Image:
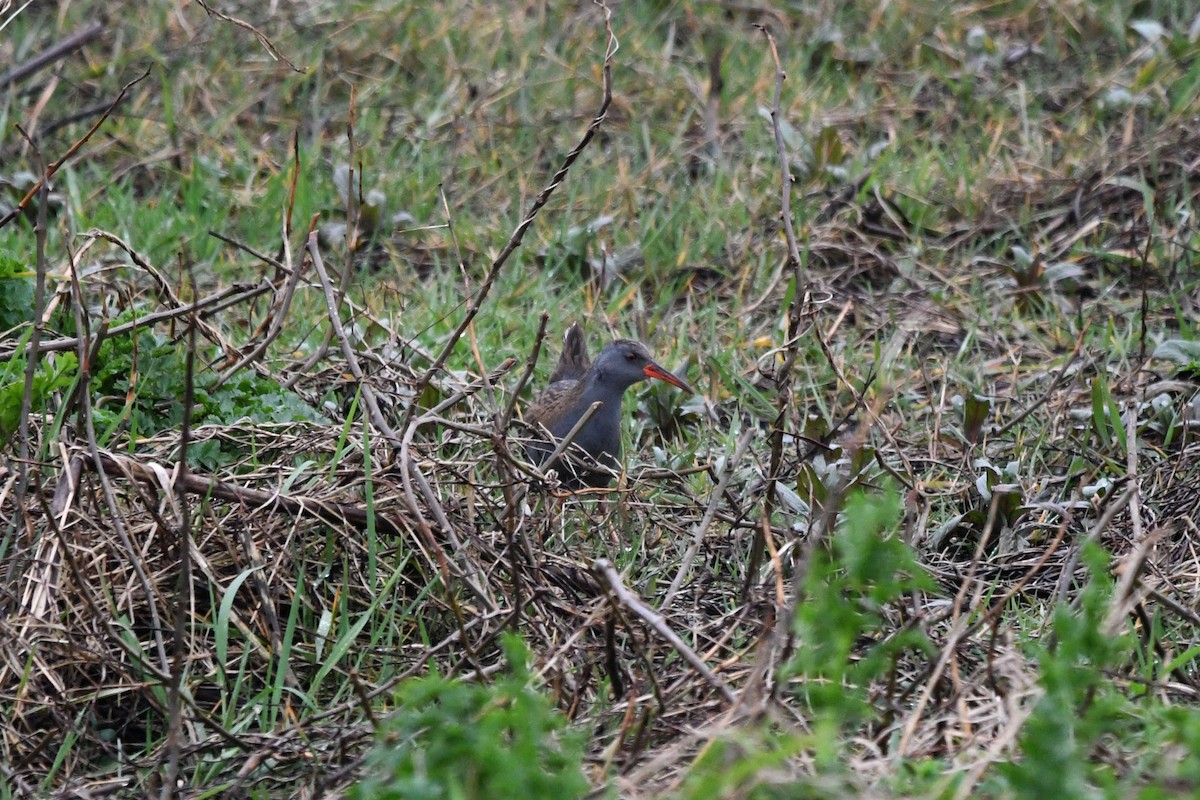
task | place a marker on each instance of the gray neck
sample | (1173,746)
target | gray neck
(609,394)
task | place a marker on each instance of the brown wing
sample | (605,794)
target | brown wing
(573,362)
(551,404)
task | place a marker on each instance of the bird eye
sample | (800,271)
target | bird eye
(631,356)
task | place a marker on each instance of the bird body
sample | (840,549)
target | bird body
(578,383)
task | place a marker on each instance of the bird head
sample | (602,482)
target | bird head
(625,362)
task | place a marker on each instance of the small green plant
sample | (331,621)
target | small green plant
(843,647)
(1087,736)
(1079,705)
(139,382)
(1184,353)
(1106,418)
(742,763)
(16,293)
(848,583)
(843,641)
(452,739)
(53,373)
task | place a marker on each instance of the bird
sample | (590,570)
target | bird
(575,384)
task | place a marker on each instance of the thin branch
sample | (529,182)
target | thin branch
(262,39)
(1054,384)
(260,501)
(31,362)
(97,459)
(785,194)
(166,292)
(217,301)
(331,308)
(514,241)
(710,513)
(503,421)
(183,582)
(801,301)
(261,256)
(604,569)
(54,53)
(566,441)
(53,168)
(278,313)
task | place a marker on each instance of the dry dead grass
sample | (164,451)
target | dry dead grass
(126,573)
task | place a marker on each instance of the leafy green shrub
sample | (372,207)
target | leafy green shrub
(16,293)
(740,764)
(1087,736)
(451,739)
(844,642)
(138,384)
(145,374)
(1080,703)
(52,374)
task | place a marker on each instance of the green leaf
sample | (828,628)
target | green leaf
(1183,352)
(975,412)
(451,739)
(221,632)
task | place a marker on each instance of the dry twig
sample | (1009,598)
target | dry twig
(604,569)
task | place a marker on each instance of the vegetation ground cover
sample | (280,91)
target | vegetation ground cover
(927,529)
